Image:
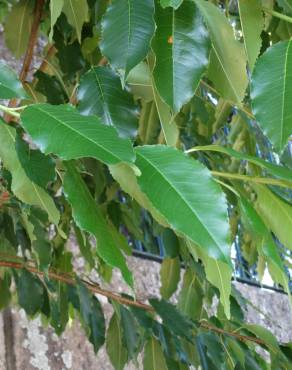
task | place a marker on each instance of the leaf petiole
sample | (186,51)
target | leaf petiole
(12,111)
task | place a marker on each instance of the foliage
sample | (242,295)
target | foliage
(148,121)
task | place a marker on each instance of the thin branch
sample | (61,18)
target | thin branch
(32,40)
(29,51)
(258,180)
(242,338)
(122,300)
(278,15)
(62,278)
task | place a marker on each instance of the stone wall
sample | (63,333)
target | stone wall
(27,345)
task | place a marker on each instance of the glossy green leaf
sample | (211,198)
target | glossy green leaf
(173,3)
(5,294)
(168,125)
(114,344)
(252,24)
(130,332)
(219,274)
(169,276)
(139,80)
(126,177)
(202,215)
(18,25)
(175,321)
(38,167)
(38,236)
(56,7)
(275,170)
(264,334)
(153,356)
(30,292)
(265,243)
(61,130)
(77,14)
(190,300)
(271,93)
(23,188)
(276,213)
(228,71)
(85,305)
(128,27)
(100,93)
(286,5)
(97,322)
(10,86)
(89,217)
(181,46)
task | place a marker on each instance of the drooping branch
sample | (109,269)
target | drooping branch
(95,289)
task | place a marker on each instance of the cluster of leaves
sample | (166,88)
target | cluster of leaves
(149,121)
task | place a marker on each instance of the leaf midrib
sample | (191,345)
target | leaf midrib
(187,204)
(78,133)
(282,140)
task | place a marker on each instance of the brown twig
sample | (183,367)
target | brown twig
(242,338)
(29,51)
(32,40)
(116,297)
(93,288)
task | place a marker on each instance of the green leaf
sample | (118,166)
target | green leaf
(100,93)
(219,274)
(97,335)
(18,26)
(61,130)
(50,87)
(130,331)
(264,334)
(181,46)
(126,177)
(38,167)
(77,14)
(153,356)
(252,25)
(265,243)
(273,169)
(169,276)
(56,7)
(5,295)
(39,238)
(188,186)
(272,82)
(276,214)
(228,71)
(30,292)
(286,5)
(10,86)
(128,27)
(114,344)
(89,217)
(173,3)
(23,188)
(85,305)
(168,126)
(175,321)
(191,296)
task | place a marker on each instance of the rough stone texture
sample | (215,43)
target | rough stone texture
(39,348)
(271,309)
(2,346)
